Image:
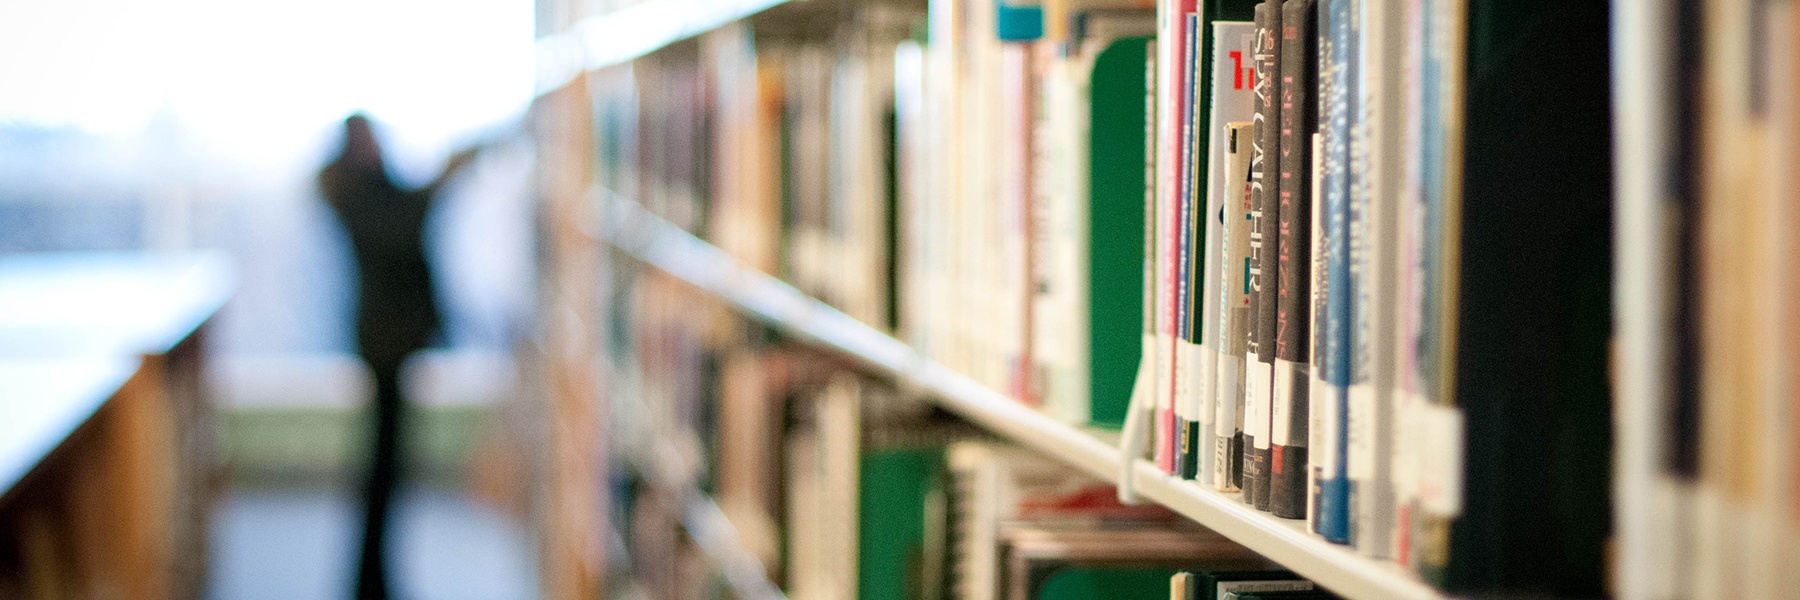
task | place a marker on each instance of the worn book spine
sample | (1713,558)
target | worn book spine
(1234,302)
(1264,247)
(1288,418)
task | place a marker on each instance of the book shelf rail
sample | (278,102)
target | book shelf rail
(666,247)
(622,35)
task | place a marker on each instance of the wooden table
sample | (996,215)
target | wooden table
(106,443)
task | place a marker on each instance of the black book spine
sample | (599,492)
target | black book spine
(1266,188)
(1246,474)
(1299,119)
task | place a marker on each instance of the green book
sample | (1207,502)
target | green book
(1063,582)
(895,488)
(1115,227)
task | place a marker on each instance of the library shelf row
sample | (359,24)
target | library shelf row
(618,36)
(654,241)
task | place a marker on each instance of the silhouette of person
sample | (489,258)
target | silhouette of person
(396,310)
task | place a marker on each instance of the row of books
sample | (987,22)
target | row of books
(1709,127)
(1350,258)
(901,515)
(842,487)
(1364,230)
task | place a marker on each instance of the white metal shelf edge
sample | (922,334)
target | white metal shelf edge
(621,35)
(1285,541)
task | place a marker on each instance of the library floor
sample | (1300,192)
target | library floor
(299,544)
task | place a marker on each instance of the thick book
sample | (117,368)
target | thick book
(1140,421)
(1288,418)
(1263,247)
(1514,490)
(1106,284)
(1234,303)
(1331,308)
(1231,100)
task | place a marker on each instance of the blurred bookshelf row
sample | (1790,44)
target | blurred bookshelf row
(1531,344)
(1061,299)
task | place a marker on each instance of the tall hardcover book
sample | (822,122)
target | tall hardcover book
(1263,247)
(1378,167)
(1288,419)
(1523,238)
(1112,286)
(1190,236)
(1232,100)
(1315,386)
(1140,419)
(1655,109)
(1331,309)
(1234,302)
(1171,73)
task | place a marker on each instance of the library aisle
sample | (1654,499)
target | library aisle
(906,300)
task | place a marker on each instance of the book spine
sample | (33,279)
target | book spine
(1187,396)
(1229,99)
(1381,55)
(1234,302)
(1410,273)
(1247,407)
(1288,419)
(1317,395)
(1150,355)
(1203,299)
(1264,248)
(1171,71)
(1359,385)
(1332,347)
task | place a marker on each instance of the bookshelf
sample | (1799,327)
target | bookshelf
(770,300)
(107,466)
(896,184)
(616,37)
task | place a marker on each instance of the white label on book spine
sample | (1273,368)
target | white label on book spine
(1362,432)
(1256,409)
(1187,380)
(1324,414)
(1282,403)
(1440,459)
(1165,376)
(1147,373)
(1209,388)
(1406,450)
(1231,395)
